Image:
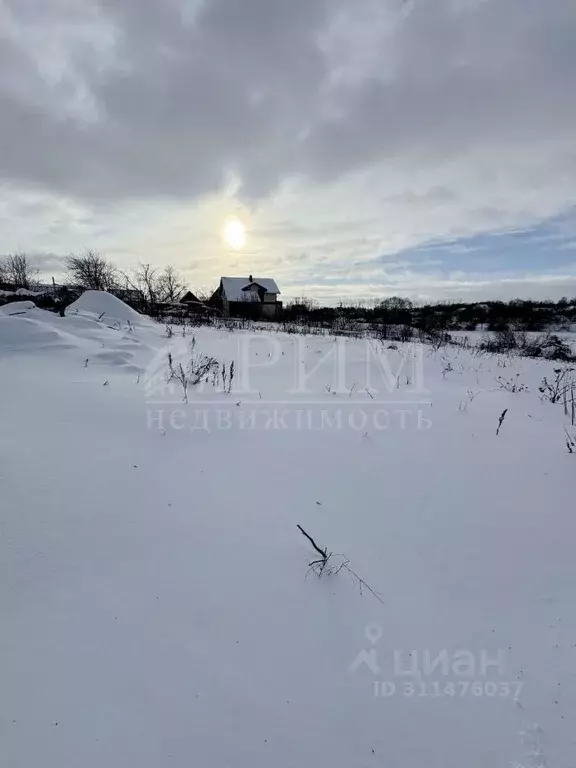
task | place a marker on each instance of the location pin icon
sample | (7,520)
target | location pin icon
(373,633)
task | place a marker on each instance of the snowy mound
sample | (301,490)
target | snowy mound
(22,334)
(25,327)
(107,306)
(109,341)
(17,308)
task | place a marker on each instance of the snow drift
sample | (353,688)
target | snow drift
(17,308)
(105,305)
(111,339)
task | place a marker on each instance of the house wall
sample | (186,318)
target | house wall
(270,310)
(256,302)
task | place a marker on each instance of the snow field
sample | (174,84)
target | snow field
(153,584)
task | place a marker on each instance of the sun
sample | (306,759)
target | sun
(234,234)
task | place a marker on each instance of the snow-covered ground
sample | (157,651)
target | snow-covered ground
(156,608)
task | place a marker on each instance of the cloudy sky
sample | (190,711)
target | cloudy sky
(371,147)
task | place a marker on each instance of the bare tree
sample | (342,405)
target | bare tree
(205,293)
(171,285)
(152,286)
(305,303)
(92,271)
(143,280)
(19,272)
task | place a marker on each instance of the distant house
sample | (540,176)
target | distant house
(192,305)
(248,297)
(189,298)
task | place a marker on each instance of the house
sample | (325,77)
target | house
(254,297)
(189,298)
(192,305)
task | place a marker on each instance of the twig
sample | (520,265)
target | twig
(321,566)
(362,583)
(322,552)
(501,421)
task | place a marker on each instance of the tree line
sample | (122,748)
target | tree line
(146,287)
(524,314)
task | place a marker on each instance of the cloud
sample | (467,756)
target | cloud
(174,106)
(48,262)
(344,129)
(174,102)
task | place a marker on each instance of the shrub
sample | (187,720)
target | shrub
(553,348)
(512,385)
(549,346)
(557,389)
(502,340)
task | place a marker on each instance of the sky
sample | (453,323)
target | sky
(423,148)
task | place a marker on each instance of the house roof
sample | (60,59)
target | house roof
(236,288)
(189,297)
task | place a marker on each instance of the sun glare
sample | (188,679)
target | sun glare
(234,234)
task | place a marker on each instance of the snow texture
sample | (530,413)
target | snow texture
(155,603)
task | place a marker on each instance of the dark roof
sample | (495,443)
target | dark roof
(189,297)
